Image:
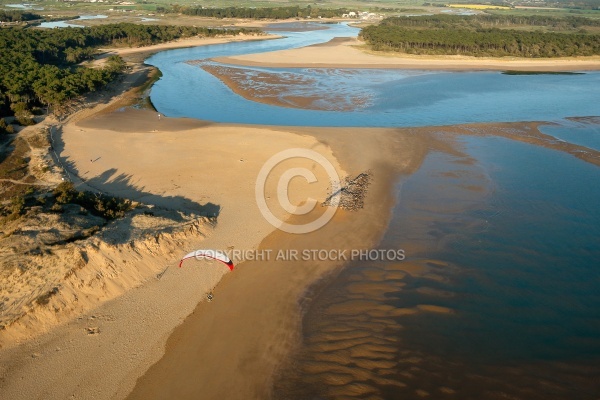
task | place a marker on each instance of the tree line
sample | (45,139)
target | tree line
(443,35)
(17,16)
(39,67)
(491,21)
(259,13)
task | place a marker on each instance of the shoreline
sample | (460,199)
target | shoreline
(351,53)
(139,54)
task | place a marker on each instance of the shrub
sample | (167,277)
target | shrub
(64,192)
(17,204)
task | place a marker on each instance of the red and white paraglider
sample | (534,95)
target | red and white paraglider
(210,254)
(201,255)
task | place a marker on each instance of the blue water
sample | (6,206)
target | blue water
(527,282)
(25,6)
(509,245)
(396,98)
(65,24)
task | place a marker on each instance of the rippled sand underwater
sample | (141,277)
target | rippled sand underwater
(499,296)
(324,89)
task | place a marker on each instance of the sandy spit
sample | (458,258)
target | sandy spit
(146,51)
(352,53)
(231,347)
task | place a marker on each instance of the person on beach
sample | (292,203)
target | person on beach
(159,116)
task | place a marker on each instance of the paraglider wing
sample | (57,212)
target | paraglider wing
(212,254)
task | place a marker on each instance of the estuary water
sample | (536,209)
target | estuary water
(499,296)
(391,97)
(65,24)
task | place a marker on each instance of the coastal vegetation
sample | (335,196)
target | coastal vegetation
(24,189)
(486,35)
(104,206)
(41,67)
(521,22)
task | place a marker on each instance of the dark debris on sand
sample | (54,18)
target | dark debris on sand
(352,193)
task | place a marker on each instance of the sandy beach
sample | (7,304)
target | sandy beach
(209,169)
(252,340)
(138,54)
(352,53)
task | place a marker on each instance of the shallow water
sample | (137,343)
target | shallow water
(25,6)
(499,296)
(65,24)
(392,97)
(582,132)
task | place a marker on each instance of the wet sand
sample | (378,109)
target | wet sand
(255,320)
(284,90)
(365,335)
